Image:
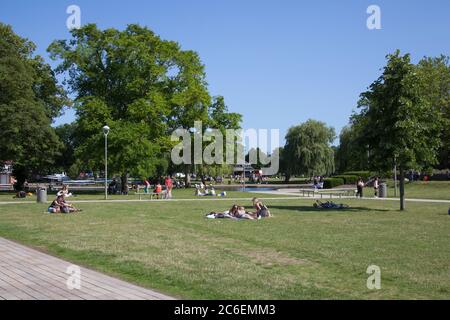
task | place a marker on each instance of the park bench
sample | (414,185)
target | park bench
(308,192)
(331,192)
(152,195)
(6,187)
(337,192)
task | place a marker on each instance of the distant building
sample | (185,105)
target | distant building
(239,169)
(6,173)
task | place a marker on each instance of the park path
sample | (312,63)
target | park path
(28,274)
(290,195)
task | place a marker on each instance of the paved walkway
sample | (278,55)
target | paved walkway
(289,196)
(28,274)
(296,192)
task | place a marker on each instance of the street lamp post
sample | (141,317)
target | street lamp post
(395,176)
(105,132)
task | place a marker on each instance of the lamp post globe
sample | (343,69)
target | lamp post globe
(105,130)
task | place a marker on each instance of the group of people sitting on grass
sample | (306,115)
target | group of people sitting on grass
(60,205)
(239,212)
(201,190)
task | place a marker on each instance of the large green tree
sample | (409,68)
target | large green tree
(435,87)
(29,98)
(308,150)
(401,126)
(351,154)
(141,86)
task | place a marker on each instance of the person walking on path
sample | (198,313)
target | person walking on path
(376,184)
(147,185)
(359,187)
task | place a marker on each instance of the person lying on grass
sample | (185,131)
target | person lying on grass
(329,205)
(236,212)
(239,212)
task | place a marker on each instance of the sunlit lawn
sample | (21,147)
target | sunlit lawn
(426,190)
(177,194)
(301,253)
(414,190)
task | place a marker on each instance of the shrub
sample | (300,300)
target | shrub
(363,174)
(329,183)
(348,179)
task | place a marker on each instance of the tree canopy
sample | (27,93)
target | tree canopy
(29,99)
(142,87)
(308,150)
(400,125)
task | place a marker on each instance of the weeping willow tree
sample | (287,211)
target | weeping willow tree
(308,150)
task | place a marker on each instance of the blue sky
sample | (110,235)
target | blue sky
(278,63)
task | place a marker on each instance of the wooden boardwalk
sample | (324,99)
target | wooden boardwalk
(28,274)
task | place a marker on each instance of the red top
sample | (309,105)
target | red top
(168,182)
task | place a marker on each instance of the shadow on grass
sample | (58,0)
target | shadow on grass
(312,209)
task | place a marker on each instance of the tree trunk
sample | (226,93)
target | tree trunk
(402,189)
(20,174)
(124,183)
(287,177)
(187,177)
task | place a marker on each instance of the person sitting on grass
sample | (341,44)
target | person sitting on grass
(55,206)
(198,192)
(59,205)
(64,192)
(20,195)
(261,209)
(67,207)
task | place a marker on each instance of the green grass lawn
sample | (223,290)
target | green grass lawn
(177,194)
(421,189)
(300,253)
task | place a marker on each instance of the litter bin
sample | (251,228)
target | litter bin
(41,194)
(382,192)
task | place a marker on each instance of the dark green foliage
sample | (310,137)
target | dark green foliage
(435,87)
(363,174)
(143,88)
(29,99)
(348,179)
(329,183)
(308,150)
(401,125)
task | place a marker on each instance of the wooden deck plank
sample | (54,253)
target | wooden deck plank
(26,273)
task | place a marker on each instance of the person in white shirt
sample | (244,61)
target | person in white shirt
(376,185)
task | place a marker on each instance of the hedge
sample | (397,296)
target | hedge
(329,183)
(348,179)
(363,174)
